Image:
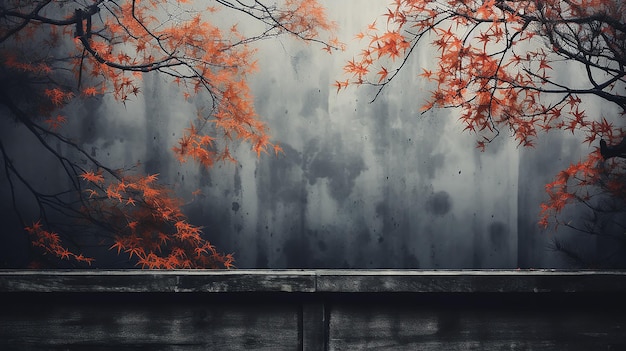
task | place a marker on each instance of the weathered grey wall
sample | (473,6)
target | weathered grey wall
(360,185)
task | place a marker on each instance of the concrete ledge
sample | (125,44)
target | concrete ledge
(312,310)
(312,281)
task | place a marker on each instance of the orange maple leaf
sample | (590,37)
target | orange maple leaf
(543,64)
(372,26)
(93,177)
(119,245)
(383,74)
(56,122)
(90,91)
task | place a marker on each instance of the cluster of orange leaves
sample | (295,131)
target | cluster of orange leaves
(149,224)
(50,243)
(201,57)
(583,181)
(305,18)
(54,97)
(495,69)
(110,53)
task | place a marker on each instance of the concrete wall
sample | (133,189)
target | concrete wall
(360,185)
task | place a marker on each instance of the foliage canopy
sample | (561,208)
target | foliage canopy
(55,52)
(507,65)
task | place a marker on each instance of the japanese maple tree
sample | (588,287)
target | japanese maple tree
(500,63)
(55,53)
